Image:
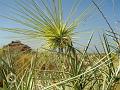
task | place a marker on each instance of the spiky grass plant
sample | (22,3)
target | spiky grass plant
(57,32)
(45,19)
(105,77)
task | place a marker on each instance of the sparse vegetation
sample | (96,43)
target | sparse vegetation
(60,66)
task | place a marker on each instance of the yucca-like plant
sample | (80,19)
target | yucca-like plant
(45,20)
(48,23)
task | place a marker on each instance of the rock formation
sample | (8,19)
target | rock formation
(17,46)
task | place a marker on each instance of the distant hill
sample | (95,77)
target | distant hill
(17,46)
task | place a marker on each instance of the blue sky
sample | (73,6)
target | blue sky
(95,23)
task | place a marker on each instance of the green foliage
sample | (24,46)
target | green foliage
(80,70)
(49,23)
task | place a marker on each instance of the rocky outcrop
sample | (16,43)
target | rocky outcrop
(17,46)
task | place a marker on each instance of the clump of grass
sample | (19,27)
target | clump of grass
(12,80)
(48,24)
(79,70)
